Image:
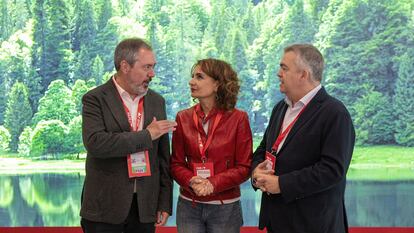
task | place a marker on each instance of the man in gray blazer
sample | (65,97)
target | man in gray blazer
(128,187)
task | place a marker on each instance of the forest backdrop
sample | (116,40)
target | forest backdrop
(53,51)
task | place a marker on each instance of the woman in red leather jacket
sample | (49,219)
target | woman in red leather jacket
(212,151)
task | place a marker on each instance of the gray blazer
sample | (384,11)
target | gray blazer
(108,191)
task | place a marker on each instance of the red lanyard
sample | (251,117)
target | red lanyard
(140,111)
(285,132)
(139,114)
(203,148)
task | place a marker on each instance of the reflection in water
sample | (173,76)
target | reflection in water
(375,203)
(41,200)
(54,200)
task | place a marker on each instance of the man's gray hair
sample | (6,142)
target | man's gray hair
(127,50)
(309,57)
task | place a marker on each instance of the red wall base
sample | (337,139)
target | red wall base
(173,230)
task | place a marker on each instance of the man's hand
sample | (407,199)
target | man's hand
(158,128)
(268,183)
(162,218)
(261,169)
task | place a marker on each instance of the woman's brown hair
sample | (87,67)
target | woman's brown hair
(228,82)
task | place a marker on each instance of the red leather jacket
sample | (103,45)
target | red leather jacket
(230,151)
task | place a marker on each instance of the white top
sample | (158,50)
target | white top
(132,104)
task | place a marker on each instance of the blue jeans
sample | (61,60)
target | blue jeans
(208,218)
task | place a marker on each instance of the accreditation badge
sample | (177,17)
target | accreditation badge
(271,161)
(138,164)
(204,170)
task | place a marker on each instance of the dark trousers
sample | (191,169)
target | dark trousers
(131,224)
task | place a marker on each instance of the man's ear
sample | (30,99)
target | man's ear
(124,67)
(305,75)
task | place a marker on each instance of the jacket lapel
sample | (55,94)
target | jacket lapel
(273,134)
(112,98)
(307,114)
(148,114)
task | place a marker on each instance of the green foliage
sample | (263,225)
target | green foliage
(106,42)
(13,17)
(364,43)
(18,113)
(5,138)
(104,13)
(51,50)
(3,97)
(373,119)
(404,100)
(56,104)
(15,66)
(78,90)
(85,37)
(47,138)
(97,70)
(25,142)
(73,140)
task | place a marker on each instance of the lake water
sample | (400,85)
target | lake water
(54,200)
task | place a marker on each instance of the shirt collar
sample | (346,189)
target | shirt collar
(307,98)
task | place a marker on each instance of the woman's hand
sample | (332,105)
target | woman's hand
(201,186)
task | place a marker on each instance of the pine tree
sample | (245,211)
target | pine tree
(18,113)
(238,59)
(51,49)
(404,100)
(3,96)
(86,36)
(97,70)
(104,14)
(5,21)
(106,38)
(39,38)
(57,42)
(175,34)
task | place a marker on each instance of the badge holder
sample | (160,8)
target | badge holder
(204,169)
(138,164)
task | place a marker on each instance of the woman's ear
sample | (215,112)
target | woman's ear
(216,85)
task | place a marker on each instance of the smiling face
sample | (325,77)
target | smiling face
(202,86)
(136,78)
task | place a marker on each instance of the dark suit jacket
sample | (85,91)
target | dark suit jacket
(311,166)
(108,191)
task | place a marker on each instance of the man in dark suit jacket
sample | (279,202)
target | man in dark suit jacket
(113,199)
(301,163)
